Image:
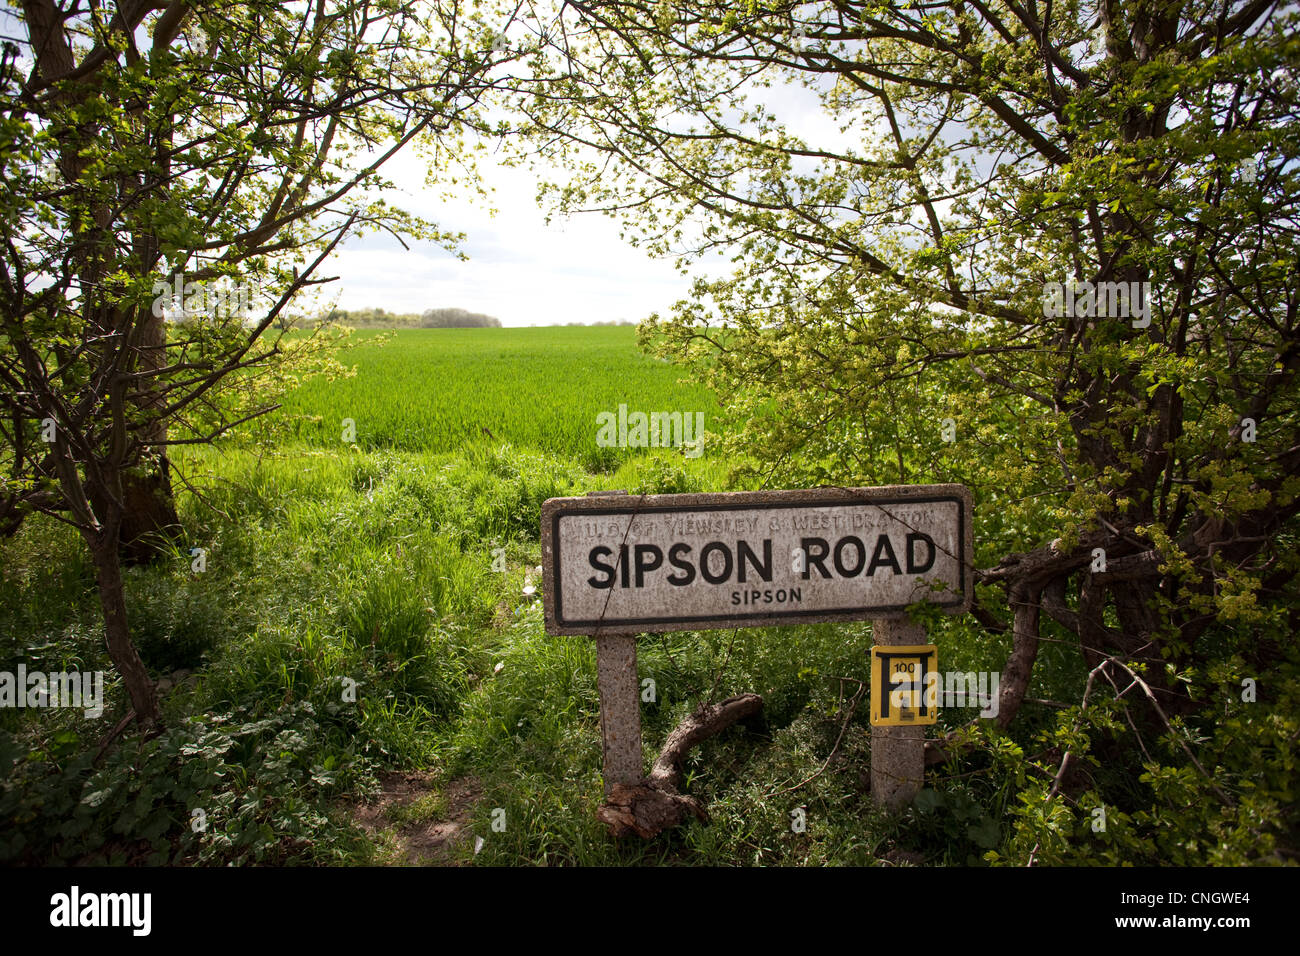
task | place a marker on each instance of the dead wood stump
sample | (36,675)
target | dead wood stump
(654,805)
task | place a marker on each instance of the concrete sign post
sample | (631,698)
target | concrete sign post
(897,750)
(620,708)
(617,565)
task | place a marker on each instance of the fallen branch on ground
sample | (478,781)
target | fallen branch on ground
(654,805)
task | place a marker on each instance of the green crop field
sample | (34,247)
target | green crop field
(542,388)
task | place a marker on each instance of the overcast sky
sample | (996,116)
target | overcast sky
(521,270)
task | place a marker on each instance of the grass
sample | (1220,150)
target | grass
(445,389)
(349,622)
(425,809)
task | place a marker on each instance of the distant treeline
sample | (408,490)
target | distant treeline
(432,319)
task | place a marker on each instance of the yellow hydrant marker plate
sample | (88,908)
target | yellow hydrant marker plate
(901,693)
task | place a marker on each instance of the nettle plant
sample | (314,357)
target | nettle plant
(889,319)
(225,788)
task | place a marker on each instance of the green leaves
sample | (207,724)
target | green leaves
(985,833)
(957,818)
(243,775)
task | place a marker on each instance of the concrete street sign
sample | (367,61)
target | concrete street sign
(616,565)
(647,563)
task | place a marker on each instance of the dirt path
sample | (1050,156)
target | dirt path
(416,822)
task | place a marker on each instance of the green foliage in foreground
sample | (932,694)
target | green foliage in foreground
(332,567)
(375,568)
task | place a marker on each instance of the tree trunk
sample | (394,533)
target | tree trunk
(1025,601)
(108,568)
(149,515)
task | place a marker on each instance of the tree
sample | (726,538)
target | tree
(186,160)
(1063,235)
(457,319)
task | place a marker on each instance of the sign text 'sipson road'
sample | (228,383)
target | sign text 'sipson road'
(648,563)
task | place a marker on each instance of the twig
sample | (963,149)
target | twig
(1182,743)
(199,495)
(1065,758)
(113,734)
(853,705)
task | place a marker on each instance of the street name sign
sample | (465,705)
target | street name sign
(630,564)
(616,565)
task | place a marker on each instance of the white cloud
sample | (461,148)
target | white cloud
(520,270)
